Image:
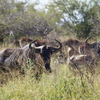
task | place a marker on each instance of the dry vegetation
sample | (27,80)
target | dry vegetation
(61,84)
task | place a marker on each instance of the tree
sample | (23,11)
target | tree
(78,14)
(22,18)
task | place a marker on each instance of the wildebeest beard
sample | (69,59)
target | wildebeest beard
(45,54)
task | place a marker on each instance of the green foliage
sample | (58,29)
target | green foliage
(66,17)
(29,69)
(29,66)
(79,14)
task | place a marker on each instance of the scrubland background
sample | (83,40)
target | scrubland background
(63,19)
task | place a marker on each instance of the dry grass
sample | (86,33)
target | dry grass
(59,85)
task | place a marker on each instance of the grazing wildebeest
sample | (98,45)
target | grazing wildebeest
(73,44)
(89,56)
(70,47)
(93,51)
(70,43)
(20,56)
(80,59)
(78,62)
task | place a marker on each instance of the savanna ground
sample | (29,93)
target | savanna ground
(61,84)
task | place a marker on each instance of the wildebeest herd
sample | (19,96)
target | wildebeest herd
(79,54)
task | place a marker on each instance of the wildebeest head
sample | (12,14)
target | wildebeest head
(45,52)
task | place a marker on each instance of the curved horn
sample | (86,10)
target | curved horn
(32,45)
(57,48)
(88,38)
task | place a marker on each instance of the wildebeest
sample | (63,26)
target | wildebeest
(77,60)
(89,56)
(20,56)
(74,44)
(71,47)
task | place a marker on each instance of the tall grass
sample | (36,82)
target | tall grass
(59,85)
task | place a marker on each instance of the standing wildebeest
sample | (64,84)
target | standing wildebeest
(20,56)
